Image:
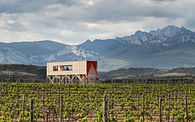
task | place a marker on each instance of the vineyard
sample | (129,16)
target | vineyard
(97,102)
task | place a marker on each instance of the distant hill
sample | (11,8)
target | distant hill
(23,73)
(141,73)
(32,73)
(168,47)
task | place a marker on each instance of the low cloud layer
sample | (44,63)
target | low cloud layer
(74,21)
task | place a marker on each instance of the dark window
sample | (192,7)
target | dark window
(55,68)
(66,68)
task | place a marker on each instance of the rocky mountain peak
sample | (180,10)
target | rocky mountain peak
(170,28)
(168,33)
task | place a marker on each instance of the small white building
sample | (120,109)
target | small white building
(72,72)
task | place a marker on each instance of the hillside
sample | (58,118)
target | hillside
(32,73)
(23,73)
(152,73)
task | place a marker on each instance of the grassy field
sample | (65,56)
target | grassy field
(85,102)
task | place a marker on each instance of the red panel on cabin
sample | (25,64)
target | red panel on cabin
(89,63)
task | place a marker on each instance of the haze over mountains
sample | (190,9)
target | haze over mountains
(168,47)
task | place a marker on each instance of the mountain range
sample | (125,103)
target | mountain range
(168,47)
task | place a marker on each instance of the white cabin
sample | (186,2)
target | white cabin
(72,72)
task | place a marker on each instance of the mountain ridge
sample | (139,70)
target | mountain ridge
(168,47)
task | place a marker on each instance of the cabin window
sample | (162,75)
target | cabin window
(69,67)
(66,68)
(55,68)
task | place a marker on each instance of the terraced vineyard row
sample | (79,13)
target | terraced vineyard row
(84,102)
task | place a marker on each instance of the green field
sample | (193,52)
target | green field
(84,102)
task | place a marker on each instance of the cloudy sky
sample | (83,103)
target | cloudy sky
(74,21)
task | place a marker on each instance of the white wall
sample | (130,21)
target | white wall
(78,67)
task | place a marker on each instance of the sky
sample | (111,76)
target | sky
(75,21)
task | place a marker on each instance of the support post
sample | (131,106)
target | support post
(17,88)
(43,99)
(186,107)
(138,102)
(143,108)
(105,119)
(160,102)
(23,107)
(169,106)
(31,110)
(61,108)
(47,116)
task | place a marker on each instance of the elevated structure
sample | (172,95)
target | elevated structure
(72,72)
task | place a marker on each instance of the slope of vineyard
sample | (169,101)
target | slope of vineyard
(77,102)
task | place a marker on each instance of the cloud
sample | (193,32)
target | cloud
(163,0)
(74,21)
(26,6)
(112,10)
(130,11)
